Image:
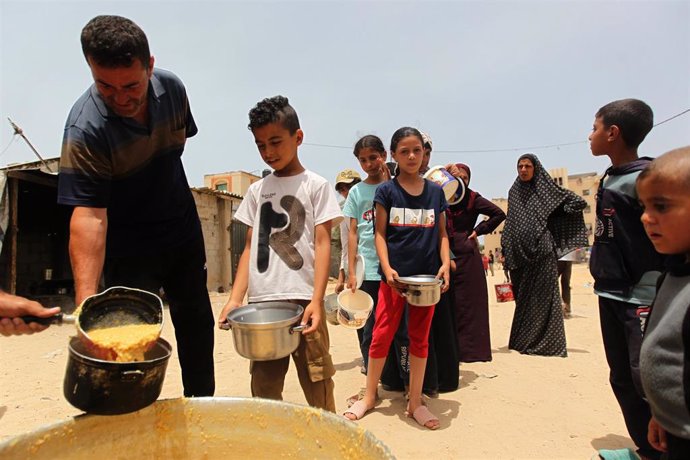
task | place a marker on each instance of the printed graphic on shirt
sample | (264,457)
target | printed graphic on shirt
(405,217)
(605,225)
(283,241)
(368,215)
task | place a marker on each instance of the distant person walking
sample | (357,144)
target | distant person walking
(485,264)
(565,270)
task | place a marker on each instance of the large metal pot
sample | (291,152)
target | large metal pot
(202,428)
(108,387)
(421,290)
(266,331)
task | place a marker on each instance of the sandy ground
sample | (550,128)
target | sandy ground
(513,407)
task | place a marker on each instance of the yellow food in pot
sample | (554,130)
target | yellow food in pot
(129,342)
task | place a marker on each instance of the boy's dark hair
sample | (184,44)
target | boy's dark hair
(633,117)
(275,109)
(114,41)
(371,142)
(403,133)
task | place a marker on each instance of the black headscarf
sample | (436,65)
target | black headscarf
(542,218)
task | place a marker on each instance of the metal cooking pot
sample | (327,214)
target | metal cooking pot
(421,290)
(116,306)
(108,387)
(330,303)
(200,428)
(266,331)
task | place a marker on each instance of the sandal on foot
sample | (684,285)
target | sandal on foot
(354,398)
(358,409)
(423,416)
(617,454)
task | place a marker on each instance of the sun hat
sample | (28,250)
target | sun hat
(347,176)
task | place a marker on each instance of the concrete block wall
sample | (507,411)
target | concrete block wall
(215,213)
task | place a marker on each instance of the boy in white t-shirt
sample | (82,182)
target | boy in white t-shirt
(287,253)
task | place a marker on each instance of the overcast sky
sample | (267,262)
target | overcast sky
(475,75)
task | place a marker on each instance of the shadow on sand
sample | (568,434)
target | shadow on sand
(612,441)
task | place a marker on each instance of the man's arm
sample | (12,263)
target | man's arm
(322,259)
(88,229)
(240,283)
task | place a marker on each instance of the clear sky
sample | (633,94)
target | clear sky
(475,75)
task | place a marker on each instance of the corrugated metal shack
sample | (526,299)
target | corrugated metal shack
(34,234)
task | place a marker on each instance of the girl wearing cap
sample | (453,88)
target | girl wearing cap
(344,181)
(471,298)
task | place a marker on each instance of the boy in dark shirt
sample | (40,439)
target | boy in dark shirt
(624,264)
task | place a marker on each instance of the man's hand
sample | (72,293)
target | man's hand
(12,307)
(313,313)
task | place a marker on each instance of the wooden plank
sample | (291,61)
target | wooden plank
(41,179)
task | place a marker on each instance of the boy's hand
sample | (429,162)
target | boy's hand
(656,435)
(313,313)
(352,282)
(444,274)
(222,318)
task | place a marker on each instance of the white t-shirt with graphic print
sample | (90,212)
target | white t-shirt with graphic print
(283,213)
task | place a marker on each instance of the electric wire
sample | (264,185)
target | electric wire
(513,149)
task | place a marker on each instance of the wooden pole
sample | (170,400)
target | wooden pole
(13,228)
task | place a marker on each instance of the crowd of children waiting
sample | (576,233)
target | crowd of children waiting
(397,221)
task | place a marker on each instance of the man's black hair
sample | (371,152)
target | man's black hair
(114,41)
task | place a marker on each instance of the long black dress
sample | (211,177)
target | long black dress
(471,298)
(544,222)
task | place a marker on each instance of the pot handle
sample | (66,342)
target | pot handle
(59,319)
(131,376)
(406,293)
(299,328)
